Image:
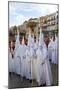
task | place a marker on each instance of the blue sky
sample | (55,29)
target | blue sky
(19,12)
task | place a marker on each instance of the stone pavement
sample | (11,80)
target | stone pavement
(16,81)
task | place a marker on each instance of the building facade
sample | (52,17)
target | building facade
(49,23)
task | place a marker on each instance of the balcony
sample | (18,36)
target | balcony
(51,18)
(43,25)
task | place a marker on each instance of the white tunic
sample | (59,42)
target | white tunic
(42,70)
(35,47)
(23,58)
(38,67)
(17,57)
(17,62)
(32,59)
(28,64)
(29,57)
(47,68)
(55,52)
(10,62)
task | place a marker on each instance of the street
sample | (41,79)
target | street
(16,81)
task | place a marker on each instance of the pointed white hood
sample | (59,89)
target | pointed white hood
(17,38)
(29,39)
(41,38)
(17,43)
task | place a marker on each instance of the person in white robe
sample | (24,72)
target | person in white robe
(17,57)
(23,58)
(29,57)
(42,67)
(28,63)
(39,61)
(34,58)
(20,59)
(32,61)
(46,68)
(28,60)
(32,52)
(57,46)
(55,51)
(11,59)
